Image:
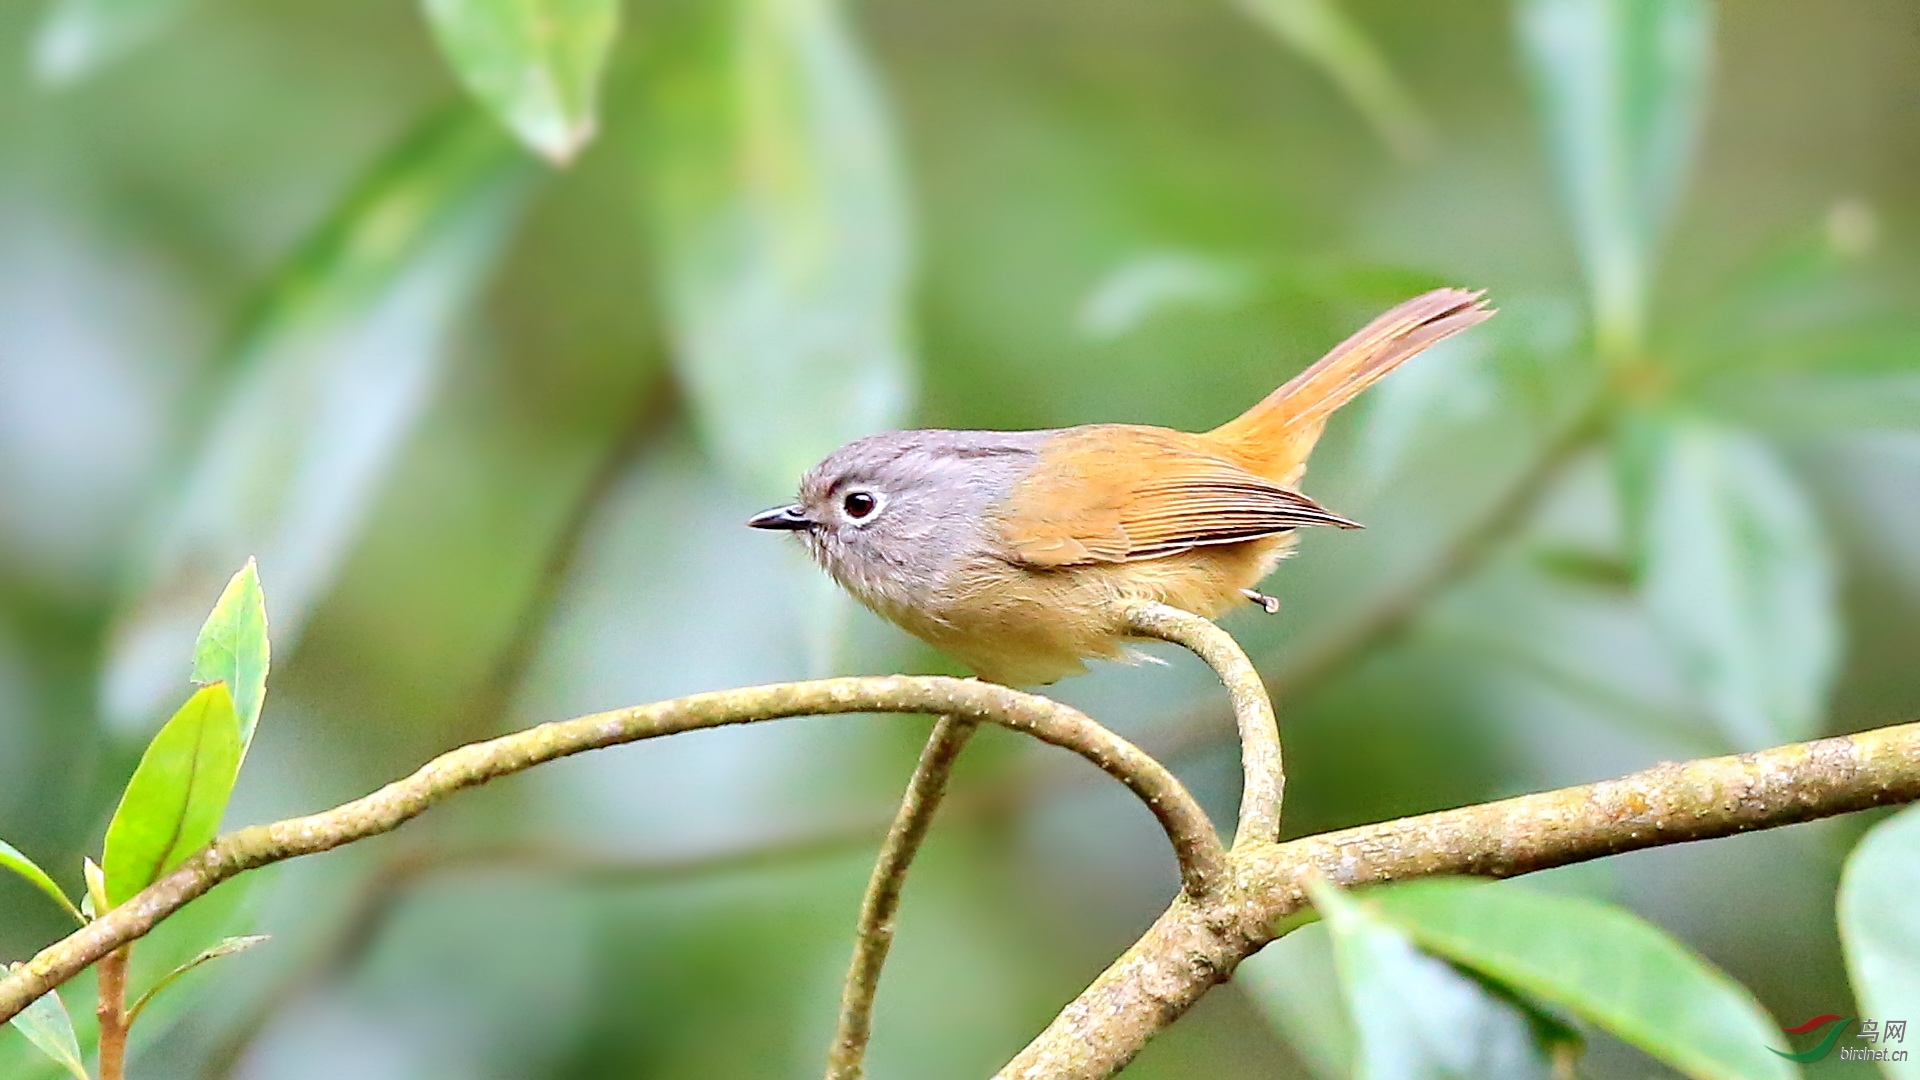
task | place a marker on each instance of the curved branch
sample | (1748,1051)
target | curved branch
(1260,801)
(1197,943)
(874,936)
(1266,780)
(1202,861)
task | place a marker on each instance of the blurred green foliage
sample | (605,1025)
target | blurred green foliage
(272,283)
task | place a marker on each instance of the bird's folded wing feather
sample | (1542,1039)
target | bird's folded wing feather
(1157,500)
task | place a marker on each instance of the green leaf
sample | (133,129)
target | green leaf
(1584,566)
(1452,383)
(1621,86)
(536,64)
(1806,403)
(1601,963)
(781,214)
(226,947)
(1149,284)
(1295,984)
(79,37)
(1864,376)
(1738,577)
(232,648)
(173,804)
(12,859)
(95,903)
(229,910)
(47,1026)
(334,371)
(1418,1018)
(1322,32)
(1880,926)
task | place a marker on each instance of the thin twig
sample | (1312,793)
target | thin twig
(1201,858)
(111,1013)
(486,712)
(1394,612)
(1197,944)
(380,894)
(381,891)
(1265,781)
(874,936)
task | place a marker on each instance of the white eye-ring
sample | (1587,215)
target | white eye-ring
(860,505)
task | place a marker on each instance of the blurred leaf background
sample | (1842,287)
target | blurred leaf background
(304,281)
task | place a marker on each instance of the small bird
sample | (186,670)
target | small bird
(1013,550)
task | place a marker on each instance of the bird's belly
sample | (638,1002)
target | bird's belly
(1027,627)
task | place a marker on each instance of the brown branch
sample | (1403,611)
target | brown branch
(1197,943)
(1265,780)
(1201,858)
(381,890)
(111,1013)
(1259,820)
(874,936)
(1242,898)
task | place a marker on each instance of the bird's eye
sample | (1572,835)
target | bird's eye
(859,504)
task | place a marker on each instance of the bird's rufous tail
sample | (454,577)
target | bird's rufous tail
(1275,436)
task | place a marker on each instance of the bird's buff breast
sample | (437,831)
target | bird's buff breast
(1029,627)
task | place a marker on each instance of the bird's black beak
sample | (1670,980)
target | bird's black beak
(784,518)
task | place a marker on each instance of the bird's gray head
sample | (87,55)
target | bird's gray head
(889,515)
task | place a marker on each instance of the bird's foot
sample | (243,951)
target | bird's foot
(1269,604)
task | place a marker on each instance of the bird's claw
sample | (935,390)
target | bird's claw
(1269,604)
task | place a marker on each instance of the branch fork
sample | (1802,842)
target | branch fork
(1261,793)
(1232,900)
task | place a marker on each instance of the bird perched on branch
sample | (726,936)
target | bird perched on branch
(1014,550)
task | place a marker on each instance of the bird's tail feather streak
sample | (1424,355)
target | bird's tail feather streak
(1275,436)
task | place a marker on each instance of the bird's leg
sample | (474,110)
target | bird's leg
(1269,604)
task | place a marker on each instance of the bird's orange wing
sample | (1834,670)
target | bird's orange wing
(1114,493)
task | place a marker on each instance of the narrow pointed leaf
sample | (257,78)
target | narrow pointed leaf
(1880,927)
(13,859)
(1621,87)
(173,804)
(1601,963)
(1416,1017)
(1323,33)
(535,64)
(339,363)
(1739,579)
(230,909)
(232,648)
(780,213)
(49,1028)
(96,878)
(76,38)
(226,947)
